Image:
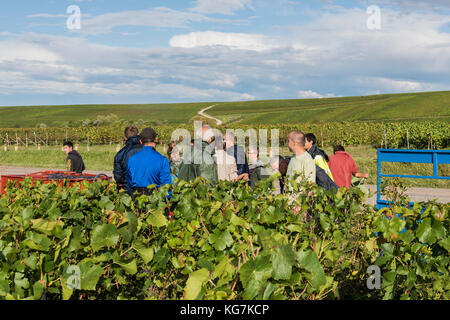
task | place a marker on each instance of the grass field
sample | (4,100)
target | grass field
(58,116)
(410,107)
(414,106)
(101,158)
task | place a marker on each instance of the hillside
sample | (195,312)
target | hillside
(414,106)
(387,107)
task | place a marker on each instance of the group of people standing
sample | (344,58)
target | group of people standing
(139,165)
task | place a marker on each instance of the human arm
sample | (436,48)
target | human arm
(165,175)
(119,172)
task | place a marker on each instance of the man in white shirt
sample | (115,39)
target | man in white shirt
(302,163)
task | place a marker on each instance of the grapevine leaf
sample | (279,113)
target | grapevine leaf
(144,252)
(282,262)
(308,260)
(129,266)
(157,219)
(220,239)
(105,235)
(194,284)
(90,274)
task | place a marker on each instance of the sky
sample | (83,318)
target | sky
(55,52)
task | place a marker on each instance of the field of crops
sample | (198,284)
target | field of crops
(401,107)
(223,242)
(416,135)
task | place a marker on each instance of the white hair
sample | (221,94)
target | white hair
(205,135)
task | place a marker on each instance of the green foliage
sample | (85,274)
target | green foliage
(422,134)
(226,242)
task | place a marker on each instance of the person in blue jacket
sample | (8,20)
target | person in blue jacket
(147,167)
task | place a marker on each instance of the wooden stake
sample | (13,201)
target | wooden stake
(407,137)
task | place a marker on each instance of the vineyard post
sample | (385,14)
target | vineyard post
(385,139)
(407,137)
(66,135)
(46,139)
(321,135)
(26,139)
(35,138)
(7,140)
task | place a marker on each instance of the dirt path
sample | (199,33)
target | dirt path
(416,194)
(203,114)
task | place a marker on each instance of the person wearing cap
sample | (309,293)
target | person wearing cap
(147,167)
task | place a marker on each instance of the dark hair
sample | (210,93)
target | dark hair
(170,149)
(311,137)
(68,143)
(148,135)
(338,148)
(283,166)
(131,131)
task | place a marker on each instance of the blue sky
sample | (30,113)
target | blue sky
(139,51)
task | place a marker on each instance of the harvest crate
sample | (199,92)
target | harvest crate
(61,177)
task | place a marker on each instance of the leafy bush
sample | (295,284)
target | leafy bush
(225,242)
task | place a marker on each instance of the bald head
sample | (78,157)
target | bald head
(297,137)
(297,142)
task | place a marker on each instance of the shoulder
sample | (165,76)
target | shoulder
(161,157)
(133,157)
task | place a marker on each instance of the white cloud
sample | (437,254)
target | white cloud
(393,85)
(221,6)
(309,94)
(242,41)
(160,17)
(16,50)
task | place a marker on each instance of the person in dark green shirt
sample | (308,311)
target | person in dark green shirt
(258,170)
(200,161)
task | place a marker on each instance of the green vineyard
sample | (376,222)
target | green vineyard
(418,135)
(223,242)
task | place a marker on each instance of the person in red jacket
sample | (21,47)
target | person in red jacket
(343,167)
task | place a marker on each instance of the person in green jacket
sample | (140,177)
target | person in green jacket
(258,170)
(199,160)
